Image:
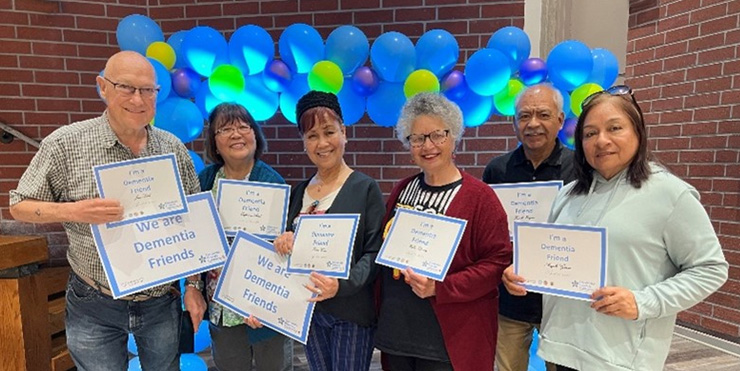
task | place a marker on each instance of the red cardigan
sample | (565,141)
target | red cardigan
(466,302)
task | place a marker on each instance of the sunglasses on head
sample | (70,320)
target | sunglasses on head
(617,91)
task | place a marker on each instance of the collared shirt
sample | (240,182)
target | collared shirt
(514,167)
(61,171)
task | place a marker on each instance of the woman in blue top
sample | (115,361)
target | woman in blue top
(234,143)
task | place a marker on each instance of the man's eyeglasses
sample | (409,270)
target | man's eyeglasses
(128,90)
(437,137)
(229,130)
(617,91)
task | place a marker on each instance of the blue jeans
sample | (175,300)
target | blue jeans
(98,327)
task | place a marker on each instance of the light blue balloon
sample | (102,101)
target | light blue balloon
(605,67)
(566,101)
(535,363)
(135,32)
(353,104)
(384,106)
(476,108)
(569,64)
(192,362)
(164,80)
(206,101)
(250,49)
(175,41)
(487,72)
(300,47)
(134,364)
(180,117)
(514,43)
(261,102)
(198,164)
(288,99)
(393,56)
(348,47)
(131,345)
(202,337)
(204,49)
(437,51)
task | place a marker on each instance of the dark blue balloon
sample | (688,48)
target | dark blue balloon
(453,85)
(513,42)
(175,41)
(605,69)
(135,32)
(532,71)
(250,49)
(393,56)
(569,64)
(365,81)
(185,82)
(384,107)
(204,49)
(437,51)
(353,104)
(180,117)
(347,46)
(300,47)
(277,76)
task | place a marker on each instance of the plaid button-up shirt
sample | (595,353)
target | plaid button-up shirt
(61,171)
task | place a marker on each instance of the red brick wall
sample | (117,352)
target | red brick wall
(682,61)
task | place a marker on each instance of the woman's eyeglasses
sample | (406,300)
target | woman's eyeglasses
(229,130)
(617,91)
(437,137)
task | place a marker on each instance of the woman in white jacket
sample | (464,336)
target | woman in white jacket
(663,256)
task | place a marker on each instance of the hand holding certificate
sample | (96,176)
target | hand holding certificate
(323,243)
(560,260)
(425,242)
(147,188)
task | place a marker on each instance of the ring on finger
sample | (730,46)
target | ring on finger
(319,292)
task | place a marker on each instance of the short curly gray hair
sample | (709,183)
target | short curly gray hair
(430,104)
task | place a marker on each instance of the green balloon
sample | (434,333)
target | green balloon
(505,100)
(226,82)
(326,76)
(580,94)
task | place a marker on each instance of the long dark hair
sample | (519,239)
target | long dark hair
(638,170)
(226,114)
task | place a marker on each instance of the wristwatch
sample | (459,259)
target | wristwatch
(198,285)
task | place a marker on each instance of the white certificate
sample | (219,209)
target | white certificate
(255,281)
(528,202)
(562,260)
(423,241)
(154,252)
(254,207)
(148,188)
(323,243)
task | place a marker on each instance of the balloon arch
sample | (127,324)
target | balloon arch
(197,69)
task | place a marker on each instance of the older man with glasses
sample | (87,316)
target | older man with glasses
(58,186)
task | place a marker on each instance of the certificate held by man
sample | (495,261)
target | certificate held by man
(528,202)
(147,188)
(323,243)
(422,241)
(562,260)
(254,207)
(154,252)
(255,281)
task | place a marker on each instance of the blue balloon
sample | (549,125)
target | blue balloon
(204,49)
(348,47)
(514,43)
(487,72)
(393,56)
(300,47)
(185,82)
(250,49)
(180,117)
(277,75)
(566,101)
(567,132)
(352,103)
(198,164)
(175,41)
(532,71)
(202,337)
(437,51)
(164,80)
(131,345)
(535,363)
(384,107)
(206,101)
(135,32)
(192,362)
(365,81)
(261,102)
(605,69)
(134,364)
(569,64)
(476,108)
(288,99)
